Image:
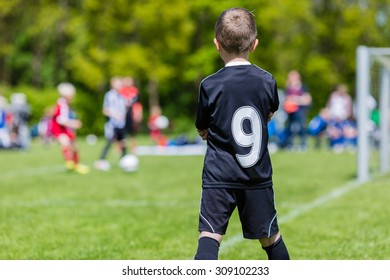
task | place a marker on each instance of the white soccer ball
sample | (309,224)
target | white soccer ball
(91,139)
(162,122)
(129,163)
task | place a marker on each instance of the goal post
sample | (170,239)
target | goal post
(366,57)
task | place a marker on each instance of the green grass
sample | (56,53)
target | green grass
(47,213)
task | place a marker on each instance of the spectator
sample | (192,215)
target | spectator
(5,140)
(341,127)
(20,111)
(296,104)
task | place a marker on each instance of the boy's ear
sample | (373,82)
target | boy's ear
(254,46)
(217,45)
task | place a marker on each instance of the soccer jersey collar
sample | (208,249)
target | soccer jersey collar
(237,63)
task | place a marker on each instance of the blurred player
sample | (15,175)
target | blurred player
(234,107)
(114,108)
(155,129)
(130,92)
(5,139)
(64,127)
(20,110)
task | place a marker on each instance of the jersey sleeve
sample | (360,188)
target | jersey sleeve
(203,111)
(63,113)
(275,98)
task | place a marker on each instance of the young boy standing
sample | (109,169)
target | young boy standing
(234,107)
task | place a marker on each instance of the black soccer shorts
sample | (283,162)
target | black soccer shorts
(119,133)
(256,210)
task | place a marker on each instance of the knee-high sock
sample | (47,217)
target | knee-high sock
(67,154)
(277,251)
(106,149)
(208,249)
(76,157)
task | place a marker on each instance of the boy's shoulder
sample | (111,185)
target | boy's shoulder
(212,76)
(230,70)
(263,71)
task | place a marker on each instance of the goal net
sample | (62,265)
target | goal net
(373,102)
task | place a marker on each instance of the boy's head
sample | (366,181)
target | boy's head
(116,83)
(66,90)
(236,30)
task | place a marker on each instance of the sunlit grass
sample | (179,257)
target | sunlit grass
(47,213)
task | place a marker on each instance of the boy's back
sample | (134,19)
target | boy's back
(234,107)
(238,99)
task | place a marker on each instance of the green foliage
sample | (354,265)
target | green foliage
(167,46)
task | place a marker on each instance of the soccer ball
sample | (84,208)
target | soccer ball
(162,122)
(91,139)
(129,163)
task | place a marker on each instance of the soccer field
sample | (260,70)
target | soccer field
(47,213)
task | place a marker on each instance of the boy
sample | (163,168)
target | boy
(234,107)
(64,126)
(130,92)
(114,108)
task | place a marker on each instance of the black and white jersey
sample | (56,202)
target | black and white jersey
(234,104)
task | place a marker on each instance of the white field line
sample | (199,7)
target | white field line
(106,203)
(29,172)
(38,171)
(300,210)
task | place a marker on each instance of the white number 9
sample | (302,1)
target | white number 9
(243,139)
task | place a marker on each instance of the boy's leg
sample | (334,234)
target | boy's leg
(208,246)
(76,157)
(121,137)
(275,247)
(106,148)
(123,148)
(257,213)
(67,151)
(216,207)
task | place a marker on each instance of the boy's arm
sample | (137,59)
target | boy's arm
(270,116)
(202,115)
(275,100)
(63,117)
(203,133)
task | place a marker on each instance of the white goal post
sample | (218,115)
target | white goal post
(365,58)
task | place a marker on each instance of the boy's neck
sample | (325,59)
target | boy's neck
(237,59)
(229,57)
(234,57)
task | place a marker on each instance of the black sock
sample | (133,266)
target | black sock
(124,151)
(207,249)
(277,251)
(106,149)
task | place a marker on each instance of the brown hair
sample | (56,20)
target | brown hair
(236,30)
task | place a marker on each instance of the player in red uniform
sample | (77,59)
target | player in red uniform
(64,127)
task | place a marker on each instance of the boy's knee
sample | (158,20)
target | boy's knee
(268,241)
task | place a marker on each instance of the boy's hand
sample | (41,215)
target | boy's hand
(270,116)
(76,124)
(203,133)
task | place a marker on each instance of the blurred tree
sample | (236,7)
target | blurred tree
(167,46)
